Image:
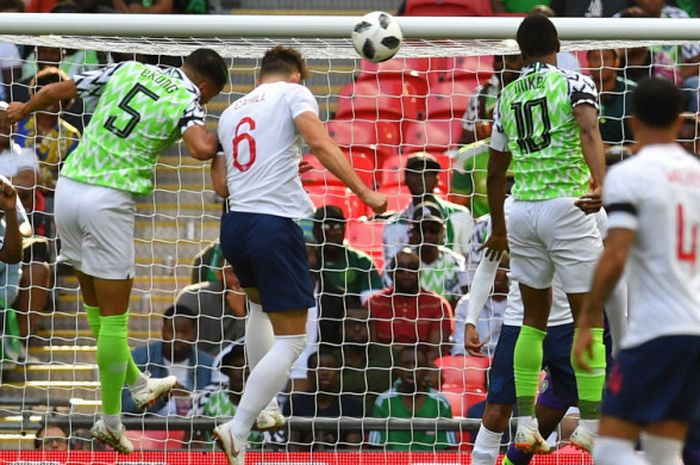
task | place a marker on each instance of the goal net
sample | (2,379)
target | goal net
(364,358)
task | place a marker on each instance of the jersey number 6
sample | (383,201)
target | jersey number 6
(124,104)
(239,137)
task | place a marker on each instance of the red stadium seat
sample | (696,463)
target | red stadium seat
(449,99)
(319,175)
(413,71)
(473,68)
(461,401)
(362,161)
(339,196)
(387,99)
(466,371)
(448,8)
(397,197)
(436,135)
(350,133)
(368,237)
(391,171)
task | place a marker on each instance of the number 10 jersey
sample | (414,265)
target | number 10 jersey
(535,122)
(141,111)
(262,150)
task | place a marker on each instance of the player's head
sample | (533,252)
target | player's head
(651,7)
(233,365)
(179,332)
(356,322)
(656,105)
(208,70)
(537,37)
(283,62)
(404,268)
(413,370)
(329,225)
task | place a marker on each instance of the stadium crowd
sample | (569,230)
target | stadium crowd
(381,334)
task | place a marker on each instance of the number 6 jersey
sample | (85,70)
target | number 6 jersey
(656,193)
(262,150)
(534,121)
(141,111)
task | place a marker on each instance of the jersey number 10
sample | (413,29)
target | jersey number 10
(524,120)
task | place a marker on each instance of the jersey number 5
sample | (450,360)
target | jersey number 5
(684,253)
(239,137)
(524,119)
(135,115)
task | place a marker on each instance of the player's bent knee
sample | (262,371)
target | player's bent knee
(496,417)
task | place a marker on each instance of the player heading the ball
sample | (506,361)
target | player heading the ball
(259,175)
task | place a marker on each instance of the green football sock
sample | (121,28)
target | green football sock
(527,365)
(133,374)
(112,361)
(589,384)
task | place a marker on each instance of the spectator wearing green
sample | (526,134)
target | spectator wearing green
(516,6)
(412,397)
(341,265)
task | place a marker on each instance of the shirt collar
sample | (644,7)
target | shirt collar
(536,67)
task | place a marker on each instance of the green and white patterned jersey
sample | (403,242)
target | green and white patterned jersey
(141,111)
(534,121)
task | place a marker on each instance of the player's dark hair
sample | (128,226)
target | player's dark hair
(283,60)
(209,65)
(657,102)
(537,36)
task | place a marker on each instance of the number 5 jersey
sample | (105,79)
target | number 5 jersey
(262,150)
(141,111)
(534,121)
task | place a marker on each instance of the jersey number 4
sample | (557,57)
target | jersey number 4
(240,136)
(686,252)
(125,104)
(524,120)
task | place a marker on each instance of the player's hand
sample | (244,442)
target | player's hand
(305,166)
(591,202)
(472,342)
(8,196)
(16,111)
(495,246)
(376,201)
(583,348)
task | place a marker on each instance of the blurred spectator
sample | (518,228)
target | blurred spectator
(193,7)
(516,6)
(421,177)
(589,8)
(343,266)
(323,399)
(615,100)
(406,313)
(441,270)
(616,154)
(220,307)
(412,397)
(688,136)
(10,60)
(692,7)
(143,6)
(51,437)
(367,365)
(49,135)
(491,316)
(676,63)
(176,354)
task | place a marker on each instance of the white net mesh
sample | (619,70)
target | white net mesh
(379,115)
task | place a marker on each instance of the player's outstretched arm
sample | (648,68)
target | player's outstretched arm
(593,149)
(11,251)
(218,176)
(47,96)
(326,150)
(201,143)
(497,243)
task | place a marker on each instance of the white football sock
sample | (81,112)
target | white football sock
(486,446)
(614,451)
(660,450)
(260,336)
(266,380)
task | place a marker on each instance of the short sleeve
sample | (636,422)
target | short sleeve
(582,90)
(193,116)
(91,83)
(300,100)
(621,199)
(499,140)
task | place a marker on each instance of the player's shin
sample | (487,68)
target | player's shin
(590,384)
(112,360)
(259,324)
(486,446)
(527,364)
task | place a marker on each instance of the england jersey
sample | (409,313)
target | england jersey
(656,193)
(262,150)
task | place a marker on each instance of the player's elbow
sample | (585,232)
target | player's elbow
(202,151)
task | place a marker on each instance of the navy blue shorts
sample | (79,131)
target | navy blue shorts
(268,253)
(557,361)
(656,381)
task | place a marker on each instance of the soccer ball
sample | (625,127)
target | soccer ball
(377,36)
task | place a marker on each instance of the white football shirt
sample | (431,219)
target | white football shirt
(656,193)
(262,150)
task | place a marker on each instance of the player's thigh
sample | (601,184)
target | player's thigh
(529,260)
(671,365)
(574,243)
(560,390)
(67,201)
(501,389)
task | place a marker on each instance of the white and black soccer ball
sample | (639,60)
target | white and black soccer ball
(377,36)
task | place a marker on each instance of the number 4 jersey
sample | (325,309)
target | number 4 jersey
(534,121)
(141,111)
(656,193)
(262,150)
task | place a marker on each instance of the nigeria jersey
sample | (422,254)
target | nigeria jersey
(534,121)
(141,111)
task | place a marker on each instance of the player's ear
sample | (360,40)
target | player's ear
(295,78)
(558,46)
